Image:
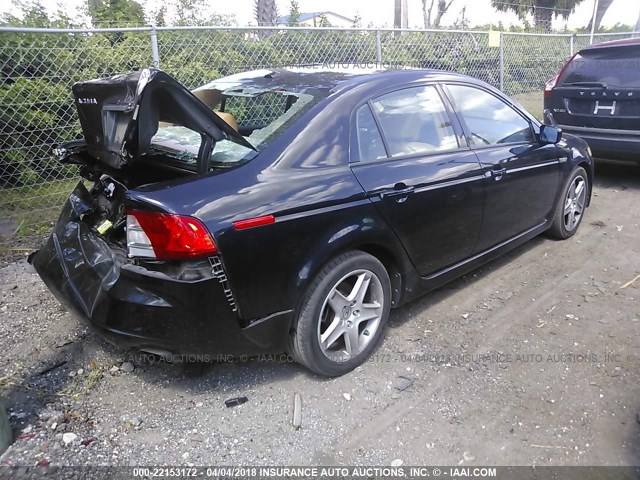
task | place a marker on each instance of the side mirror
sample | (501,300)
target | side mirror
(550,134)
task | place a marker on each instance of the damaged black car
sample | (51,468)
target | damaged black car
(288,210)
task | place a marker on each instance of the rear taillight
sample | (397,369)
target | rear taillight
(550,84)
(553,81)
(166,236)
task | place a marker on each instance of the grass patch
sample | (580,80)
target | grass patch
(12,379)
(31,210)
(81,385)
(532,101)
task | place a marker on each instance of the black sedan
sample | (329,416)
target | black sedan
(289,210)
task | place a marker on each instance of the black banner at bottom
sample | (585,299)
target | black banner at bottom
(324,473)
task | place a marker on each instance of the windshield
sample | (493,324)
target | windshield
(259,116)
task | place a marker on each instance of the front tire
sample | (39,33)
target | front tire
(343,314)
(572,205)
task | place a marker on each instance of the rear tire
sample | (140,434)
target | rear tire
(343,314)
(571,206)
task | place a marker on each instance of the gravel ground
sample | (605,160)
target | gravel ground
(531,360)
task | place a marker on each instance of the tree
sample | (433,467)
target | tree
(189,12)
(357,21)
(427,10)
(543,10)
(159,16)
(194,12)
(33,14)
(266,12)
(324,21)
(116,13)
(294,13)
(603,6)
(400,14)
(462,22)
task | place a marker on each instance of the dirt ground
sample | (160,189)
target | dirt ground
(531,360)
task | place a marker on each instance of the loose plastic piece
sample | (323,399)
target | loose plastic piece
(234,402)
(297,411)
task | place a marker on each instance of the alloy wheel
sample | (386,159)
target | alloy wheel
(574,203)
(351,315)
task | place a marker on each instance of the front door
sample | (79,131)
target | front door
(521,174)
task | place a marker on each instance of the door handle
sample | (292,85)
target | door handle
(498,173)
(399,193)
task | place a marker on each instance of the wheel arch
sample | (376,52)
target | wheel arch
(378,241)
(391,265)
(587,167)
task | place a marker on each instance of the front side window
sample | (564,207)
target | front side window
(414,121)
(490,120)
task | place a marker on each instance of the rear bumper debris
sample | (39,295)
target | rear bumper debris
(143,309)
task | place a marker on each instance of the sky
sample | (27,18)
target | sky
(479,12)
(380,12)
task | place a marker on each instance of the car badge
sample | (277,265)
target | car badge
(611,108)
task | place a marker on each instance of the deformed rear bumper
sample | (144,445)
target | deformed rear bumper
(142,309)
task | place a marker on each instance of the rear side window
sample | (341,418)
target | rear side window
(615,67)
(489,120)
(414,121)
(370,145)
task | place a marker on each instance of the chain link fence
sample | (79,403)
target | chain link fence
(39,66)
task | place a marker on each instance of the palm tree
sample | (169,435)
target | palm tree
(543,10)
(266,12)
(603,6)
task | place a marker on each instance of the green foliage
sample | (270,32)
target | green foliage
(34,15)
(194,12)
(323,21)
(560,8)
(294,13)
(38,70)
(159,16)
(543,10)
(118,13)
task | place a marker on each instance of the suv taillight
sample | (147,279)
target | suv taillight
(553,81)
(549,84)
(166,236)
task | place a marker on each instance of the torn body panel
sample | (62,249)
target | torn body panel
(184,307)
(120,115)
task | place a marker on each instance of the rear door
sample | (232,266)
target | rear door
(600,88)
(409,156)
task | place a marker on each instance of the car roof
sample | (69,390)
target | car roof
(309,77)
(627,42)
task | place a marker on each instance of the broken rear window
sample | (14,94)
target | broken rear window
(258,115)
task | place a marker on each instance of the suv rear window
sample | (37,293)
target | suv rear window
(615,67)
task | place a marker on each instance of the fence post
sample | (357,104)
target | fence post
(378,48)
(501,62)
(154,47)
(571,46)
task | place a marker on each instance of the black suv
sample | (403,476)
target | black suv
(596,96)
